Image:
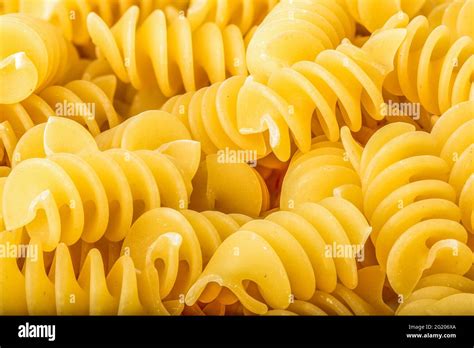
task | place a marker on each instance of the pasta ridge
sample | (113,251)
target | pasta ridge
(178,57)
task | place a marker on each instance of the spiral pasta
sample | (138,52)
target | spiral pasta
(80,192)
(33,55)
(290,250)
(440,294)
(410,206)
(430,68)
(453,132)
(182,58)
(297,30)
(322,172)
(333,86)
(245,14)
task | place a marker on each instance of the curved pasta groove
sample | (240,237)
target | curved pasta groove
(324,171)
(440,294)
(410,206)
(81,192)
(179,58)
(453,132)
(33,55)
(71,16)
(431,67)
(297,30)
(287,255)
(336,86)
(59,291)
(169,249)
(243,13)
(373,14)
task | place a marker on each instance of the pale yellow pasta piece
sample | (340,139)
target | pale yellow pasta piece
(183,59)
(431,66)
(245,14)
(410,206)
(33,55)
(453,132)
(349,76)
(295,31)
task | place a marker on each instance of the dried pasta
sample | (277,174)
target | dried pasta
(80,192)
(244,14)
(237,157)
(182,58)
(33,52)
(297,30)
(410,205)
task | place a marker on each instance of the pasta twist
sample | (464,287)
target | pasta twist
(89,103)
(431,67)
(409,205)
(453,132)
(245,14)
(373,14)
(440,294)
(324,171)
(365,299)
(33,55)
(297,30)
(59,291)
(80,192)
(333,87)
(71,15)
(177,56)
(169,249)
(288,254)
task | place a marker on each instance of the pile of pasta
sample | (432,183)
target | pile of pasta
(213,157)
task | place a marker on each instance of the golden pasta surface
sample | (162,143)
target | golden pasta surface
(244,157)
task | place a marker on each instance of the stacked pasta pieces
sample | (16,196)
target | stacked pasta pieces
(293,157)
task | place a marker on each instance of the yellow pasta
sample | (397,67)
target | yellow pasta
(430,68)
(410,205)
(80,192)
(297,30)
(440,294)
(236,157)
(181,58)
(291,251)
(244,14)
(453,132)
(33,52)
(348,77)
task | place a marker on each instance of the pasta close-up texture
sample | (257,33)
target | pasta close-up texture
(237,157)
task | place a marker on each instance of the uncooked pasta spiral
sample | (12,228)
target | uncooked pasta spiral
(248,194)
(440,294)
(287,254)
(334,87)
(79,192)
(431,67)
(177,56)
(89,103)
(297,30)
(324,171)
(60,291)
(373,14)
(456,15)
(71,15)
(410,205)
(169,249)
(33,54)
(453,132)
(243,13)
